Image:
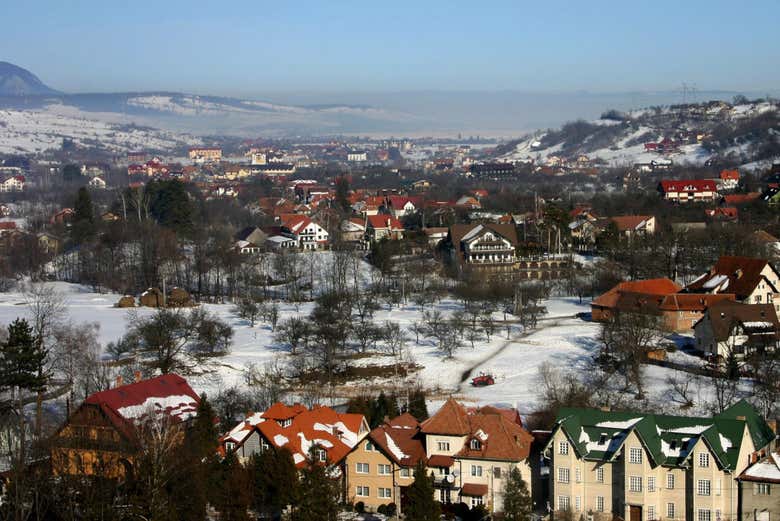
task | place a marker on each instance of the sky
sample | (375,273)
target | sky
(258,48)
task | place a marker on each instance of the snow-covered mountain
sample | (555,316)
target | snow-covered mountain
(16,81)
(745,133)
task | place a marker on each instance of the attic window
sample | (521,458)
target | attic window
(603,438)
(673,445)
(476,445)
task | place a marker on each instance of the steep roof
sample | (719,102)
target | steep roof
(336,433)
(766,470)
(498,438)
(730,175)
(450,420)
(400,440)
(669,440)
(755,319)
(689,185)
(626,223)
(459,231)
(381,221)
(732,274)
(692,302)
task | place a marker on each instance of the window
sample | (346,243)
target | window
(635,455)
(405,473)
(443,445)
(577,475)
(476,445)
(651,513)
(476,501)
(370,447)
(600,503)
(704,459)
(563,502)
(384,492)
(717,515)
(361,491)
(577,504)
(704,515)
(703,487)
(264,444)
(651,484)
(230,446)
(600,474)
(670,481)
(635,483)
(563,448)
(361,468)
(476,470)
(563,475)
(670,510)
(497,472)
(762,489)
(384,470)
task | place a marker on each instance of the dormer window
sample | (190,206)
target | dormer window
(321,455)
(285,423)
(230,446)
(603,438)
(476,444)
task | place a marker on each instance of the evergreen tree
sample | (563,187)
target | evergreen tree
(275,481)
(421,506)
(318,498)
(231,490)
(22,359)
(518,505)
(83,217)
(417,406)
(171,205)
(382,407)
(342,193)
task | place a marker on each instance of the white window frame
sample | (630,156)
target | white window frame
(404,472)
(635,483)
(443,446)
(475,444)
(651,513)
(704,514)
(577,475)
(384,469)
(563,475)
(651,483)
(381,493)
(670,481)
(362,491)
(704,487)
(563,503)
(670,510)
(476,470)
(370,447)
(600,475)
(476,501)
(563,448)
(635,455)
(362,468)
(762,489)
(599,503)
(577,503)
(704,460)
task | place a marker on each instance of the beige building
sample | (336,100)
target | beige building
(471,451)
(649,467)
(759,490)
(381,466)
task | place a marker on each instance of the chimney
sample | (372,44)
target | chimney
(772,425)
(605,408)
(137,376)
(119,381)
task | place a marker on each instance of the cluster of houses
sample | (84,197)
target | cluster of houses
(599,463)
(732,309)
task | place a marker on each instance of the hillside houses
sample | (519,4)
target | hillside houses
(484,245)
(750,280)
(688,191)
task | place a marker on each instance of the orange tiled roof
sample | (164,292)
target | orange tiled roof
(655,287)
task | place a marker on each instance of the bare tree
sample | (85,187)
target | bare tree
(626,340)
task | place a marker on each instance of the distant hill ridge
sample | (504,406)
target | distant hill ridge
(16,81)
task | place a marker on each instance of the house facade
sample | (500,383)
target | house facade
(383,226)
(688,191)
(471,451)
(308,234)
(759,489)
(736,328)
(644,467)
(13,184)
(489,245)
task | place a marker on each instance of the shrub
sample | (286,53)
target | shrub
(360,507)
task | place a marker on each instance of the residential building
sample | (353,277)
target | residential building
(759,489)
(400,206)
(308,234)
(14,183)
(640,467)
(492,170)
(618,298)
(383,226)
(471,452)
(728,180)
(102,438)
(357,156)
(205,154)
(98,183)
(436,235)
(751,280)
(483,244)
(736,328)
(353,229)
(631,226)
(320,433)
(693,190)
(381,467)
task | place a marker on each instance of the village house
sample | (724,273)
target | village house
(692,190)
(734,328)
(308,234)
(631,226)
(644,467)
(381,467)
(102,436)
(488,245)
(319,434)
(751,280)
(400,206)
(728,180)
(205,154)
(13,184)
(759,489)
(97,183)
(383,226)
(436,235)
(353,229)
(357,156)
(605,306)
(471,451)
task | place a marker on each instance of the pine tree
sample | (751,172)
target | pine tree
(22,359)
(83,217)
(518,505)
(231,491)
(417,407)
(421,506)
(275,481)
(318,498)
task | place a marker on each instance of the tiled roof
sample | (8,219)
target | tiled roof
(630,222)
(689,185)
(381,221)
(336,433)
(400,440)
(473,489)
(654,287)
(450,419)
(737,275)
(734,199)
(732,175)
(459,231)
(692,302)
(760,319)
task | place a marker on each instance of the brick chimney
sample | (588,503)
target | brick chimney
(119,381)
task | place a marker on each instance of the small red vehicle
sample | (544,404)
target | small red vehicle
(482,380)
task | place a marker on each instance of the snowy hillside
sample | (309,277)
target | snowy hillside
(34,131)
(744,133)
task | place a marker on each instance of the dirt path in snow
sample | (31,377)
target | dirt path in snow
(547,324)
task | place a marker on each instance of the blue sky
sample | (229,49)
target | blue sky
(254,48)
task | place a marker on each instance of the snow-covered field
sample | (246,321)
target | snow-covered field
(561,339)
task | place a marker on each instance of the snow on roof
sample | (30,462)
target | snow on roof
(758,325)
(725,443)
(482,435)
(715,281)
(472,233)
(394,448)
(693,429)
(766,469)
(181,406)
(619,425)
(280,440)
